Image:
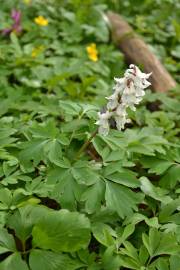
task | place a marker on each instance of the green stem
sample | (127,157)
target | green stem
(86,144)
(149,261)
(23,246)
(27,251)
(24,252)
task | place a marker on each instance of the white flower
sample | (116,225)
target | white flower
(139,92)
(103,122)
(121,121)
(121,110)
(129,98)
(128,92)
(119,86)
(139,78)
(130,88)
(113,101)
(137,72)
(121,117)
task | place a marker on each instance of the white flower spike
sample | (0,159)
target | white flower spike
(103,122)
(128,92)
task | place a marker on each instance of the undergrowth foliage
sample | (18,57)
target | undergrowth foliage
(71,198)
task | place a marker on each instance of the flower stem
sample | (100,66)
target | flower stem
(86,144)
(149,261)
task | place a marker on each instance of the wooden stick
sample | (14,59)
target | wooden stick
(137,52)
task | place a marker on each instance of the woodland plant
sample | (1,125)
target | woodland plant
(128,92)
(83,188)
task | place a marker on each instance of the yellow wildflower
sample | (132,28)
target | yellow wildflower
(40,20)
(27,2)
(36,51)
(92,52)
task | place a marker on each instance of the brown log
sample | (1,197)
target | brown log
(137,52)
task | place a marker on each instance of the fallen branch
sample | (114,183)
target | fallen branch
(137,52)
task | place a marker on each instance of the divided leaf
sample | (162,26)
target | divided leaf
(159,243)
(121,199)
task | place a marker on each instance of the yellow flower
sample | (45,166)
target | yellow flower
(92,52)
(40,20)
(36,51)
(27,2)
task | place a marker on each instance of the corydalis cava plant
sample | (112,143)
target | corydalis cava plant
(128,92)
